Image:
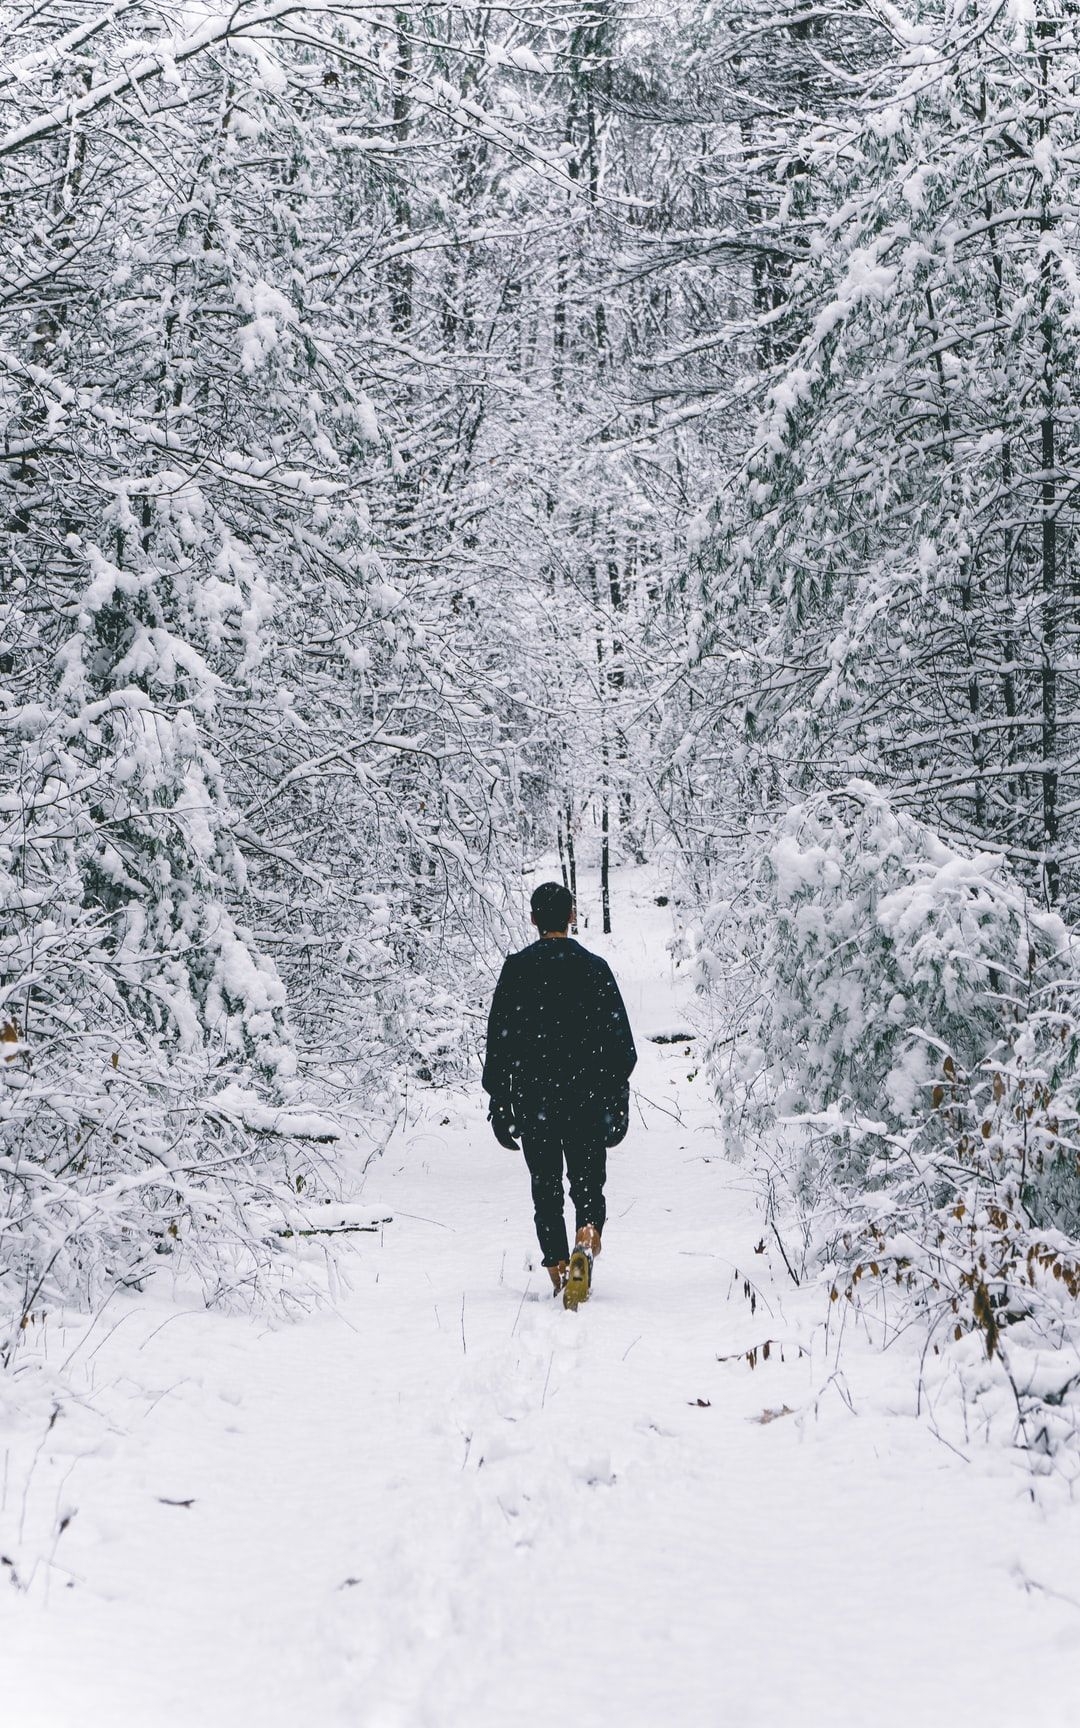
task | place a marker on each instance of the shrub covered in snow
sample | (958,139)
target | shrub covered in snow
(127,997)
(880,948)
(130,991)
(906,1069)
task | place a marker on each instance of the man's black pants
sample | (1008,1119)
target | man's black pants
(548,1142)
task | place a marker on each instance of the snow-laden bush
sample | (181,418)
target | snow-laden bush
(131,995)
(113,1165)
(906,1070)
(119,1146)
(880,947)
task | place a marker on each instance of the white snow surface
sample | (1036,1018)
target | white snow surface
(440,1501)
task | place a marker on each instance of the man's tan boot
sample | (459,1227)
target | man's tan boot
(579,1274)
(557,1274)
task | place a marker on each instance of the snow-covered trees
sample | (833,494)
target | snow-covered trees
(333,519)
(882,592)
(902,531)
(434,435)
(240,750)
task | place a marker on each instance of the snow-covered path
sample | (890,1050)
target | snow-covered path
(446,1502)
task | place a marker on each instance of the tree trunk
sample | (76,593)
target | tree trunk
(401,269)
(1048,500)
(571,858)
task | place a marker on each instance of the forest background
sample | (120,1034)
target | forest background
(434,436)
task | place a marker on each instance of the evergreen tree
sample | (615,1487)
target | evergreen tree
(888,585)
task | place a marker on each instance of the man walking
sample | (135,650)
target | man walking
(559,1057)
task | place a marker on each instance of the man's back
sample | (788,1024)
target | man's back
(557,1028)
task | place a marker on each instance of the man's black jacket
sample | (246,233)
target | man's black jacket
(558,1036)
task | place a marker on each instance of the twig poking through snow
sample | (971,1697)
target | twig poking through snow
(520,1306)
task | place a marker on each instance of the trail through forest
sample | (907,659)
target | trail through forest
(442,1500)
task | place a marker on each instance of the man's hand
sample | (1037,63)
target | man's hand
(615,1115)
(502,1124)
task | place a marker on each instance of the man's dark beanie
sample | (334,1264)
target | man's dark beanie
(552,905)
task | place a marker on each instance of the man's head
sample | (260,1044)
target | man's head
(552,905)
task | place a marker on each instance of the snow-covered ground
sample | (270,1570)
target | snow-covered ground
(442,1501)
